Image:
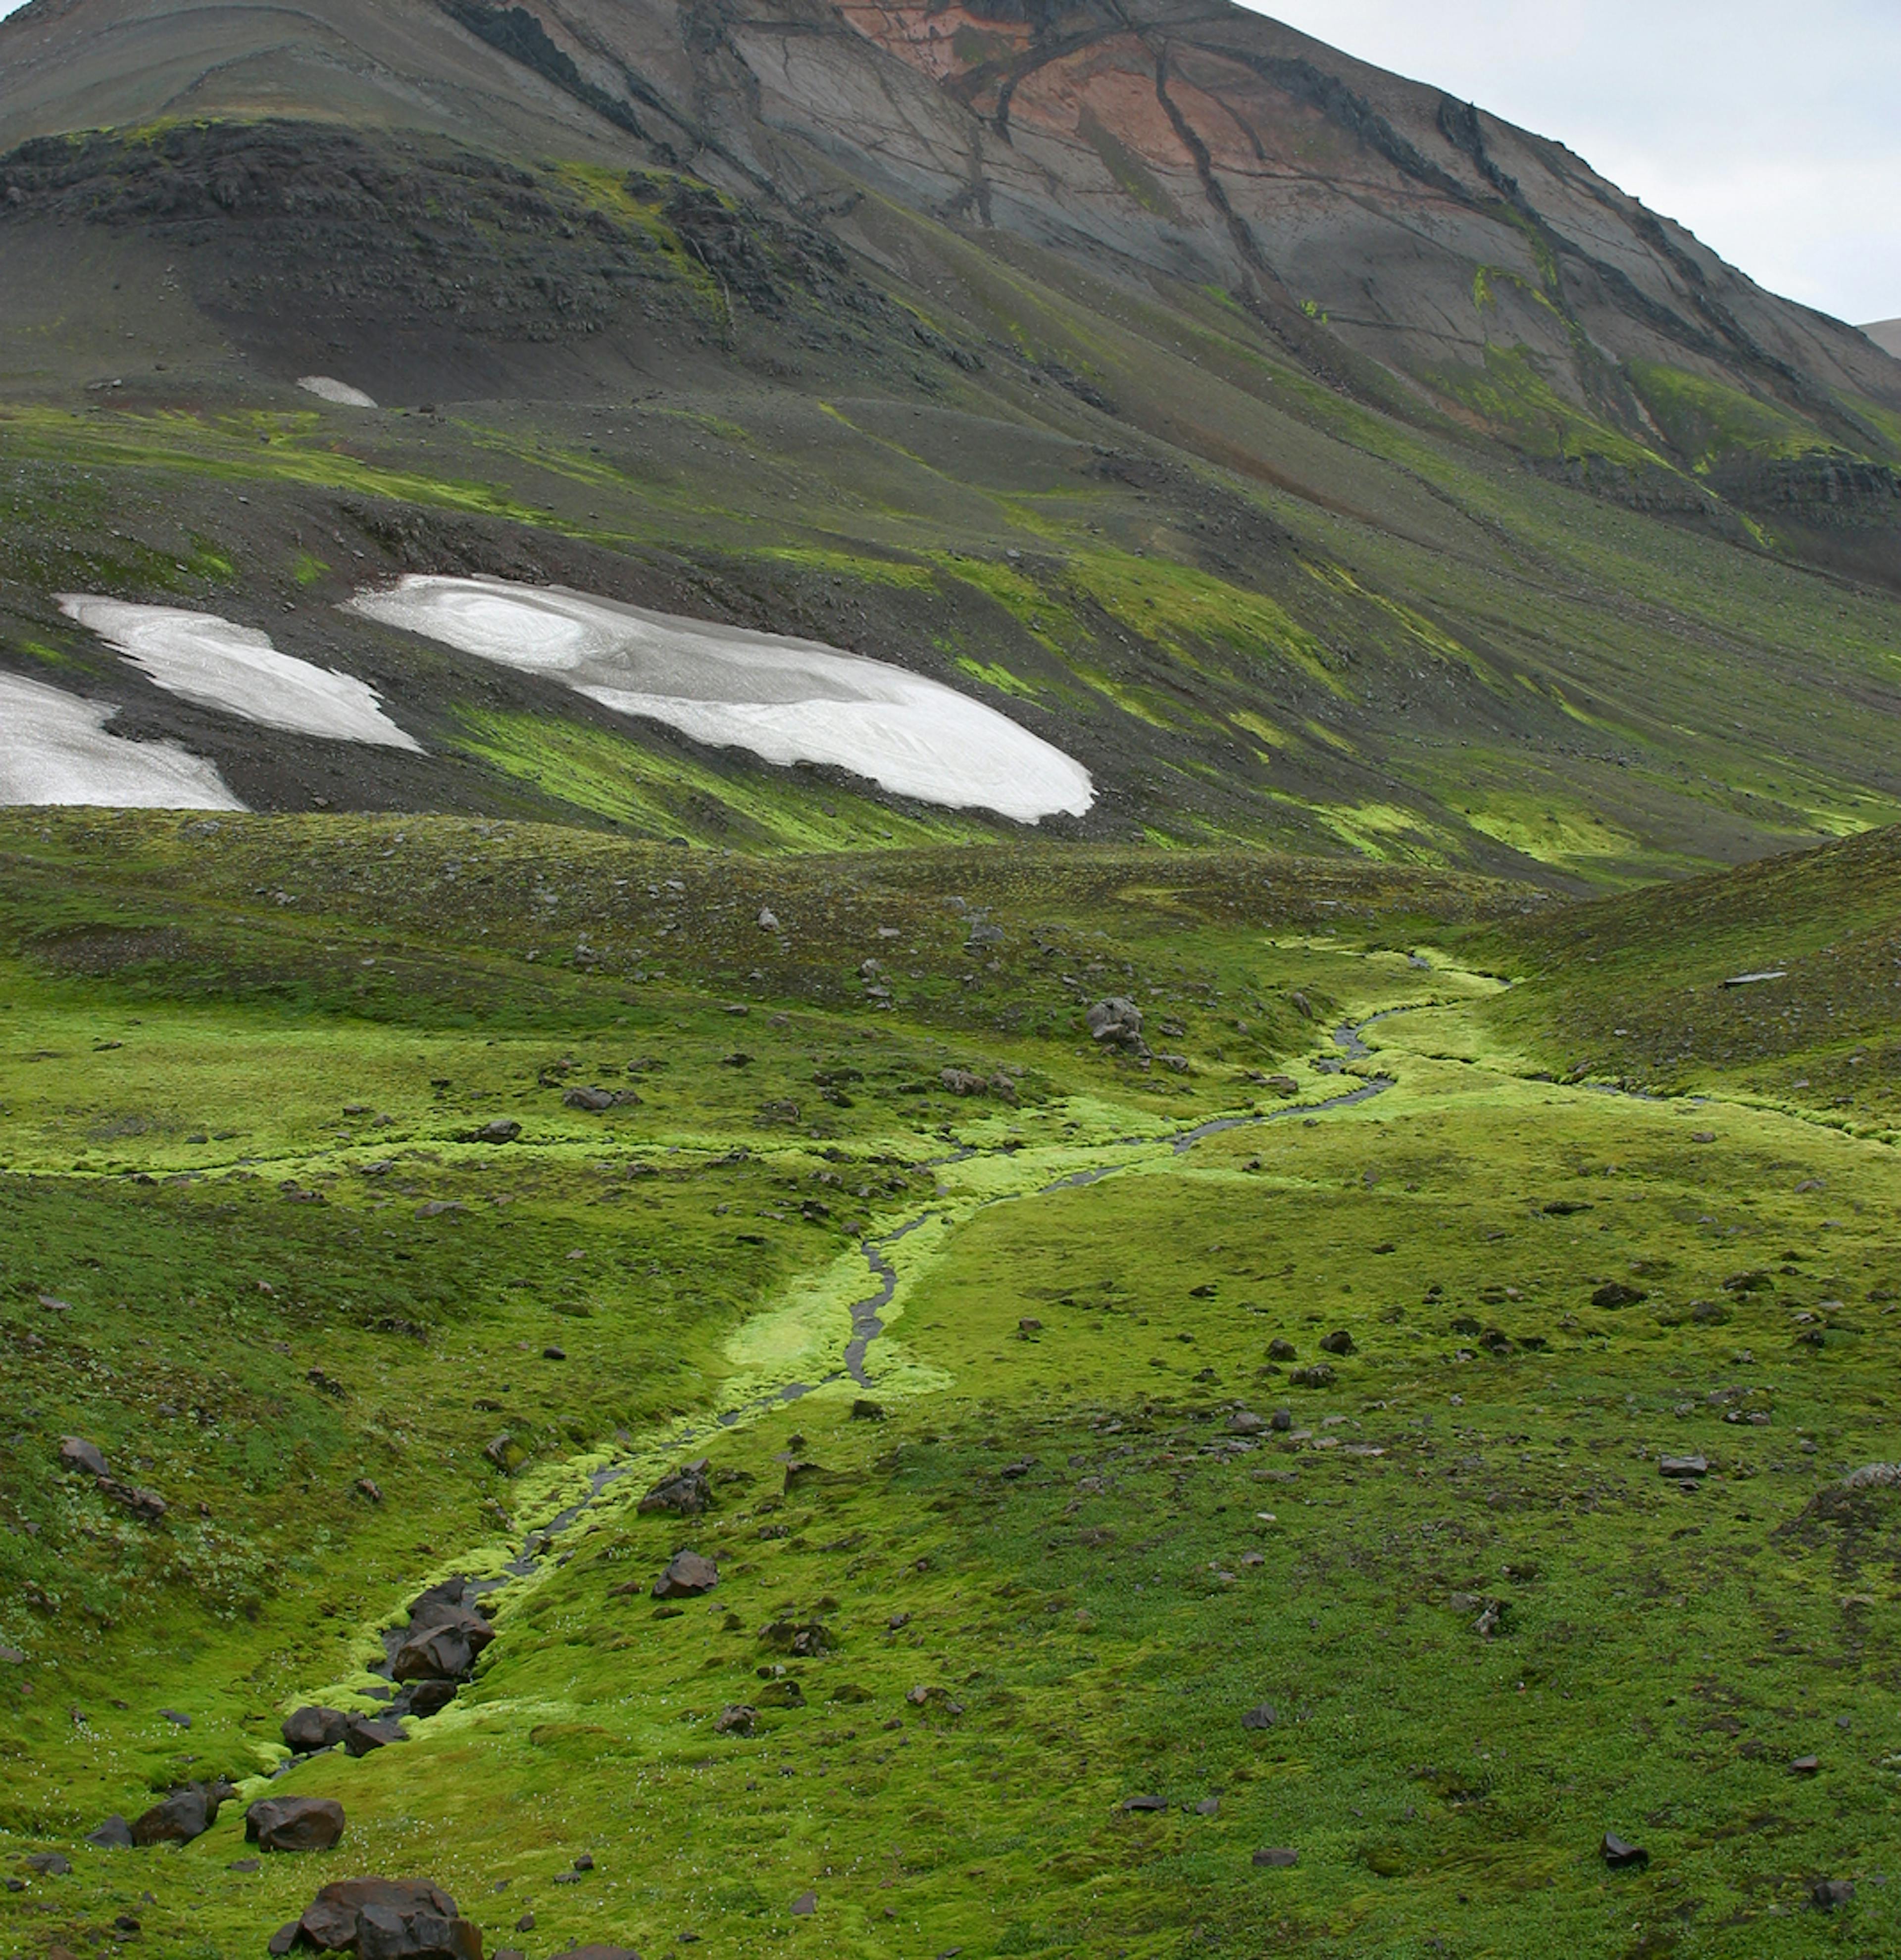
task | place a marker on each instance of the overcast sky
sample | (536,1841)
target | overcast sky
(1771,128)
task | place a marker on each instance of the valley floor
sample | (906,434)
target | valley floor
(1065,1570)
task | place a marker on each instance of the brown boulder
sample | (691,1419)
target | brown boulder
(293,1823)
(76,1453)
(185,1813)
(307,1730)
(687,1577)
(385,1919)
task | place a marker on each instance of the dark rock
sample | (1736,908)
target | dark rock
(593,1099)
(1209,1806)
(685,1491)
(1319,1376)
(293,1824)
(585,1863)
(1827,1894)
(50,1865)
(1281,1421)
(1806,1766)
(595,1951)
(554,1353)
(429,1698)
(1117,1022)
(1021,1468)
(1621,1856)
(1617,1294)
(1282,1351)
(501,1131)
(145,1505)
(1027,1327)
(1566,1207)
(805,1905)
(114,1834)
(786,1694)
(1681,1467)
(736,1718)
(688,1576)
(387,1919)
(308,1729)
(186,1813)
(284,1939)
(443,1648)
(862,1410)
(1245,1422)
(1146,1802)
(177,1720)
(76,1453)
(1263,1717)
(363,1735)
(1276,1859)
(1339,1342)
(961,1082)
(246,1864)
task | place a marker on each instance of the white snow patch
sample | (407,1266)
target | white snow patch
(201,657)
(786,700)
(333,390)
(54,748)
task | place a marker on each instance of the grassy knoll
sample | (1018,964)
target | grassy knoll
(250,1249)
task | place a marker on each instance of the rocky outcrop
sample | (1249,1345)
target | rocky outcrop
(382,1919)
(293,1824)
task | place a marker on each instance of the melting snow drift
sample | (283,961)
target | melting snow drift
(54,748)
(786,700)
(208,660)
(339,392)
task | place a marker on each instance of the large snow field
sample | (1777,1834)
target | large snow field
(54,748)
(784,700)
(203,659)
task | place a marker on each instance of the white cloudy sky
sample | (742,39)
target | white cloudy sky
(1772,128)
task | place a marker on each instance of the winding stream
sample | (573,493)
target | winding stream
(868,1324)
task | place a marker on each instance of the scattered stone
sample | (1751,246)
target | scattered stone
(805,1905)
(307,1730)
(552,1353)
(50,1865)
(187,1812)
(1566,1207)
(1339,1342)
(114,1834)
(1209,1806)
(505,1453)
(1827,1894)
(363,1735)
(76,1453)
(12,1657)
(862,1410)
(368,1489)
(1281,1421)
(444,1636)
(736,1718)
(147,1506)
(425,1698)
(1683,1467)
(1027,1328)
(1263,1717)
(1806,1766)
(685,1491)
(246,1865)
(593,1099)
(1245,1422)
(1874,1477)
(293,1824)
(1117,1022)
(585,1863)
(1491,1618)
(177,1720)
(1021,1467)
(1319,1376)
(961,1082)
(384,1919)
(1282,1351)
(594,1950)
(1616,1294)
(1277,1859)
(786,1694)
(768,920)
(1146,1803)
(688,1576)
(500,1131)
(1621,1856)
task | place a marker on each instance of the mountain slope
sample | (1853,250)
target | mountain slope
(1886,333)
(1315,461)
